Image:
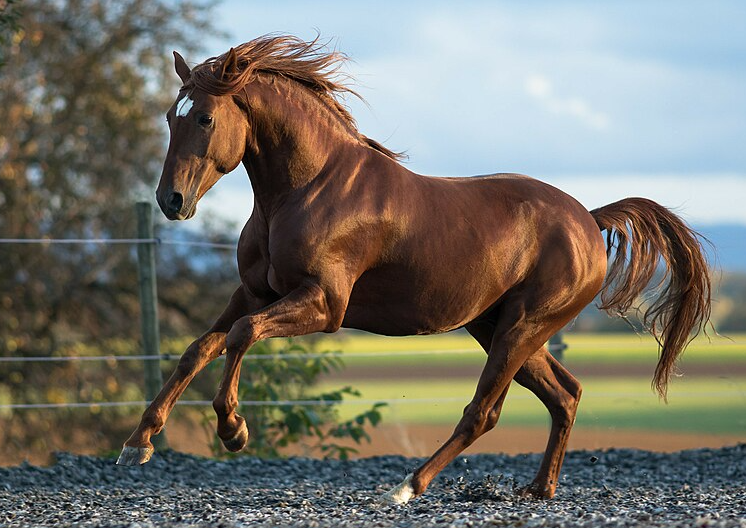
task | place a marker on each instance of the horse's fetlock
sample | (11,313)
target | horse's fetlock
(418,484)
(224,405)
(153,422)
(221,407)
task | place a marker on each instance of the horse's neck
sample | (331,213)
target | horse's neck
(294,136)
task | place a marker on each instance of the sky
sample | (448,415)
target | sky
(601,99)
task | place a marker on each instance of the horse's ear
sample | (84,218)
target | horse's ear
(230,65)
(182,69)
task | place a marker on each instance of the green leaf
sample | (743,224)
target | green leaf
(374,417)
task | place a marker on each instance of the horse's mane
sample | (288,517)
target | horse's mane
(307,63)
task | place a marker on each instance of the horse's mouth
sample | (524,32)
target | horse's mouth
(182,215)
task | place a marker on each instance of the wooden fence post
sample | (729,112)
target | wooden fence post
(149,308)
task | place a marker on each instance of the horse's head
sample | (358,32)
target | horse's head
(208,139)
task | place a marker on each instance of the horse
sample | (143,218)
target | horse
(343,236)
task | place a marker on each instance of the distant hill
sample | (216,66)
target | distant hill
(730,245)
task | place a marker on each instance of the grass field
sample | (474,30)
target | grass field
(582,348)
(712,405)
(709,405)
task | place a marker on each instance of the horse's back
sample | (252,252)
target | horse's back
(462,243)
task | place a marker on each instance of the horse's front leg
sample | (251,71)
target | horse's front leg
(138,449)
(305,310)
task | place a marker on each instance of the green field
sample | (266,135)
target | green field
(705,404)
(709,405)
(368,349)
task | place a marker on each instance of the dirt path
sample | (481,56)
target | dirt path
(187,436)
(422,440)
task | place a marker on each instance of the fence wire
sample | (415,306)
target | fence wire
(317,403)
(172,357)
(157,241)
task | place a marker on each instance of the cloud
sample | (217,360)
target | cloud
(541,89)
(701,198)
(567,93)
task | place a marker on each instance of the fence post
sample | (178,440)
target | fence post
(557,346)
(149,309)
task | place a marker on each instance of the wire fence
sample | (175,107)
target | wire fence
(249,357)
(171,357)
(556,346)
(114,241)
(321,403)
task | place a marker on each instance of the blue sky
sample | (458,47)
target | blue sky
(602,99)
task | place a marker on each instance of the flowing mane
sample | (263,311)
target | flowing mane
(307,63)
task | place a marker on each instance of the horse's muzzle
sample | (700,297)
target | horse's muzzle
(173,207)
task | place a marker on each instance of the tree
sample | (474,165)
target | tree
(9,15)
(83,92)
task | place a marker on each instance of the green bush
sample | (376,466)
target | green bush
(283,379)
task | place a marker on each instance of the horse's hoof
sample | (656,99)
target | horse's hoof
(239,440)
(134,456)
(536,491)
(401,494)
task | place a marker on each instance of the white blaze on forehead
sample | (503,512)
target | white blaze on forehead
(182,109)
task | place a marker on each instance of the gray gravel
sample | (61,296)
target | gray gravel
(705,487)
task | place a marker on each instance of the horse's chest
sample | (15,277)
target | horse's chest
(276,281)
(288,263)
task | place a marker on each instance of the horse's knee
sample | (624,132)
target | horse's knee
(240,336)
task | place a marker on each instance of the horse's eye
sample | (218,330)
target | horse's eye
(205,120)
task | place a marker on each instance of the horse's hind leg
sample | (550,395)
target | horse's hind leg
(465,432)
(560,392)
(512,343)
(483,332)
(138,449)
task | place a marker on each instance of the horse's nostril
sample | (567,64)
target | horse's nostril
(174,202)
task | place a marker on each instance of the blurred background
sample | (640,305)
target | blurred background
(603,100)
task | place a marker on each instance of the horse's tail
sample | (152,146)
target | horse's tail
(640,232)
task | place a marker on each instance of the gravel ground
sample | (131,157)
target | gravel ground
(705,487)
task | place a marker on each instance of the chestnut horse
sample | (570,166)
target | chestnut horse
(341,235)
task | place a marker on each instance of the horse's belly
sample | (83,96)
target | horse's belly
(392,322)
(392,303)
